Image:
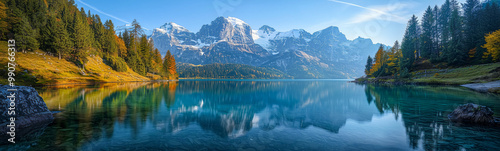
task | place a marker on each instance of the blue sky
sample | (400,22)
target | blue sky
(384,21)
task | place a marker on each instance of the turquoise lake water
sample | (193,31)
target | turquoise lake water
(260,115)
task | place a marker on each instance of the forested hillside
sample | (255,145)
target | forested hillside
(59,28)
(452,35)
(229,71)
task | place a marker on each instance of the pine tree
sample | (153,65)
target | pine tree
(126,38)
(444,24)
(427,31)
(145,52)
(135,62)
(109,39)
(435,54)
(140,68)
(63,43)
(60,42)
(36,11)
(68,17)
(136,29)
(489,22)
(99,32)
(82,41)
(455,53)
(24,36)
(131,60)
(156,62)
(471,20)
(410,44)
(38,15)
(368,66)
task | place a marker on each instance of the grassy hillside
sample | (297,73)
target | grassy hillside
(447,76)
(457,76)
(228,71)
(39,68)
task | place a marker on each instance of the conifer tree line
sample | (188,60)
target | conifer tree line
(58,27)
(452,34)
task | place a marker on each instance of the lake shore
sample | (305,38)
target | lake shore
(38,68)
(485,87)
(481,78)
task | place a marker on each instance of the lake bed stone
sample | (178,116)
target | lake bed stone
(472,114)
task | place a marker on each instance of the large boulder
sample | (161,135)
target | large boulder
(31,112)
(472,114)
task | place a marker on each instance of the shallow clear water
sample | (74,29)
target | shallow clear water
(260,115)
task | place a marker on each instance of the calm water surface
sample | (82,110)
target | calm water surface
(260,115)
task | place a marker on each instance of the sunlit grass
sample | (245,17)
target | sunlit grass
(50,70)
(471,74)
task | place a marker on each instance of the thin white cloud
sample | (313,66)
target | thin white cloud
(384,12)
(97,10)
(109,15)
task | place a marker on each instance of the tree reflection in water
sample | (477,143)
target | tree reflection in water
(424,111)
(152,114)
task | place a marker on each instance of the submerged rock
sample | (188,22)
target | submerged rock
(472,114)
(28,110)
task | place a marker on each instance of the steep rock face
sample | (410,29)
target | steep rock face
(336,56)
(177,39)
(31,112)
(230,40)
(229,29)
(296,39)
(224,40)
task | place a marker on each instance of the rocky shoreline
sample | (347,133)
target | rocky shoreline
(491,87)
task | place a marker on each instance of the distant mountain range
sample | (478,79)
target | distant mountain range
(323,54)
(228,71)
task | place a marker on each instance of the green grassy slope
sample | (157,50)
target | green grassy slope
(39,68)
(457,76)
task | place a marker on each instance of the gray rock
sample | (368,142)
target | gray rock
(472,114)
(483,87)
(31,112)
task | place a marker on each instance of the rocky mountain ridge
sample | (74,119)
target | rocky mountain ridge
(323,54)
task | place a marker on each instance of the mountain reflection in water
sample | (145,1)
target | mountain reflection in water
(261,115)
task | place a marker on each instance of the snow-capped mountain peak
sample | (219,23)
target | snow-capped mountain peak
(231,40)
(294,33)
(267,29)
(263,36)
(171,27)
(265,32)
(236,22)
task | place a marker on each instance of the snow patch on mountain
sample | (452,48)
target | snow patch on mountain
(294,33)
(236,22)
(170,27)
(263,38)
(231,40)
